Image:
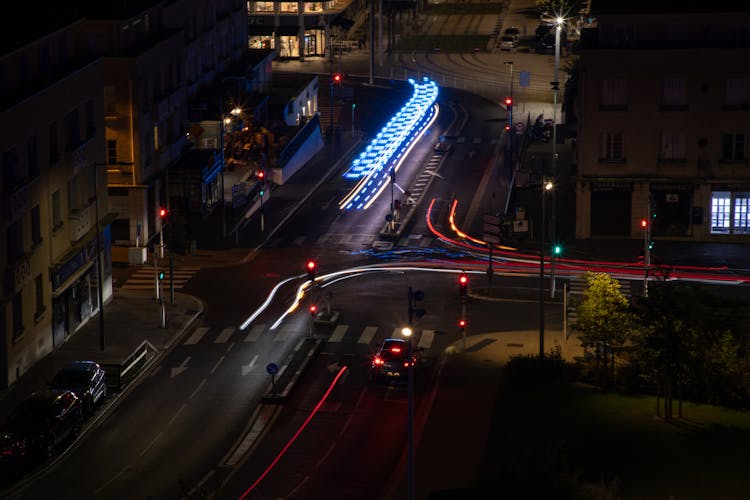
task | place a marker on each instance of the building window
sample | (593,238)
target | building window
(732,147)
(36,226)
(672,147)
(32,156)
(674,93)
(56,210)
(12,174)
(89,118)
(737,93)
(289,7)
(614,94)
(54,144)
(730,212)
(156,138)
(74,196)
(110,100)
(313,7)
(611,147)
(72,125)
(15,240)
(111,151)
(17,316)
(39,289)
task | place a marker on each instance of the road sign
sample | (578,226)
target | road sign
(272,368)
(524,79)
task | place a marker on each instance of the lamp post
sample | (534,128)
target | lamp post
(546,186)
(406,332)
(99,266)
(510,114)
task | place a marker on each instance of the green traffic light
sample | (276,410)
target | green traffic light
(557,249)
(161,275)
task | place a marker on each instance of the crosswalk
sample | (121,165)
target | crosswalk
(146,276)
(367,335)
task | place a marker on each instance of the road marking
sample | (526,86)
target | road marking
(224,335)
(114,478)
(176,370)
(148,447)
(174,417)
(197,335)
(367,334)
(249,367)
(425,341)
(255,332)
(338,333)
(217,365)
(203,382)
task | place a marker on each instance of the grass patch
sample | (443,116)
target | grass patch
(445,43)
(465,8)
(577,439)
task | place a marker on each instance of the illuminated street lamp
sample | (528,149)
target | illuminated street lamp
(406,332)
(546,186)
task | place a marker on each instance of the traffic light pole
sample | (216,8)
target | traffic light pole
(410,413)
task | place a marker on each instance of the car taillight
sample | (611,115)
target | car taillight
(395,349)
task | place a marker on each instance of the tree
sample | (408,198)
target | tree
(550,9)
(605,320)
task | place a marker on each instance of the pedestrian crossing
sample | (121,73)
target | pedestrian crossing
(145,278)
(367,335)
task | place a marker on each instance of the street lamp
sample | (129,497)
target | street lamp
(406,332)
(546,186)
(558,23)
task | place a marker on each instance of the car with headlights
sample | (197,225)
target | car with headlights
(86,379)
(46,419)
(390,362)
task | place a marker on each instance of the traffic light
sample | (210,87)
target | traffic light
(557,250)
(163,213)
(262,191)
(337,78)
(463,282)
(507,128)
(644,224)
(311,270)
(161,275)
(313,310)
(462,324)
(651,245)
(261,175)
(508,103)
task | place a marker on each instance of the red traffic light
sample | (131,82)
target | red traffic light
(463,279)
(162,212)
(311,265)
(337,77)
(508,101)
(313,309)
(261,174)
(644,223)
(462,323)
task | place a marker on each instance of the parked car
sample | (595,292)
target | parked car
(391,361)
(86,379)
(508,42)
(13,457)
(46,419)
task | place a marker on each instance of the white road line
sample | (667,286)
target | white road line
(174,417)
(203,382)
(217,365)
(338,333)
(148,447)
(114,478)
(224,336)
(367,334)
(196,336)
(425,341)
(255,332)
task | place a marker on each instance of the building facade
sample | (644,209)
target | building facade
(664,110)
(53,189)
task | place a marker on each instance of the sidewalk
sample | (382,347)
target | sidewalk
(131,319)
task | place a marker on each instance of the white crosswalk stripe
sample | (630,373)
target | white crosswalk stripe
(145,277)
(197,335)
(225,335)
(367,334)
(255,332)
(425,340)
(338,333)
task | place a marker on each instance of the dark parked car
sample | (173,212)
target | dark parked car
(391,361)
(45,419)
(13,457)
(86,379)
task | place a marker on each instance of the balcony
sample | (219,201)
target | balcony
(17,275)
(81,221)
(78,156)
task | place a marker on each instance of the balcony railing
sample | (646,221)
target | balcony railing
(81,221)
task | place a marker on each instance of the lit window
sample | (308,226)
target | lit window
(730,212)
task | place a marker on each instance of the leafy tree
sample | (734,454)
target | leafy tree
(550,9)
(605,321)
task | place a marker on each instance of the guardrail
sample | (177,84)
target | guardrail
(120,375)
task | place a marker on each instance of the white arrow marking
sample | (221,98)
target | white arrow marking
(176,370)
(248,368)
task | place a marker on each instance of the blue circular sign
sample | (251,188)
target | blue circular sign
(272,368)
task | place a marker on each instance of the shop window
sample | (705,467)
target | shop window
(732,147)
(611,147)
(730,212)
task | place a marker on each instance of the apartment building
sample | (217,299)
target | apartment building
(664,118)
(55,233)
(297,29)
